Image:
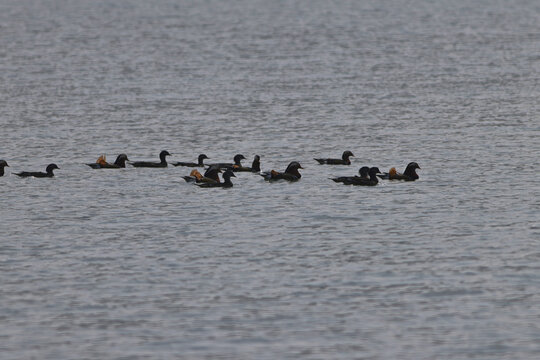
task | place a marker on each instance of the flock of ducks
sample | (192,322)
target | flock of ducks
(369,176)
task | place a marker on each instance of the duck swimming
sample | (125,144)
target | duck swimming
(372,181)
(408,175)
(225,184)
(195,176)
(3,163)
(290,174)
(39,174)
(255,166)
(192,164)
(343,161)
(237,161)
(102,163)
(348,180)
(161,164)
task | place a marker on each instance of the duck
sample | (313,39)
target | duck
(225,184)
(372,181)
(192,164)
(348,180)
(408,175)
(161,164)
(343,161)
(255,166)
(196,177)
(3,164)
(38,174)
(237,161)
(290,174)
(102,163)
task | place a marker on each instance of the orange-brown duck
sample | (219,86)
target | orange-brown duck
(290,174)
(196,177)
(102,163)
(225,184)
(408,175)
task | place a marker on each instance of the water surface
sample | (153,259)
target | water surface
(135,263)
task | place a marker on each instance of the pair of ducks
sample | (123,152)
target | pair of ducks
(121,159)
(39,174)
(211,177)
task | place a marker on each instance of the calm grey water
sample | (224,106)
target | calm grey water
(136,264)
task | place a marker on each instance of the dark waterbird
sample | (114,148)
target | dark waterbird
(225,184)
(348,180)
(408,175)
(3,164)
(48,172)
(151,164)
(237,161)
(343,161)
(196,177)
(192,164)
(290,174)
(102,163)
(255,166)
(372,181)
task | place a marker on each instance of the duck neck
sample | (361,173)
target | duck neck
(294,172)
(411,173)
(120,162)
(256,165)
(227,180)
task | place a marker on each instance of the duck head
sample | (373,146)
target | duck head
(410,170)
(121,160)
(228,174)
(51,167)
(201,158)
(163,155)
(238,158)
(364,171)
(293,169)
(373,171)
(347,154)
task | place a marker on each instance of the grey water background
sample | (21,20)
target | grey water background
(135,263)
